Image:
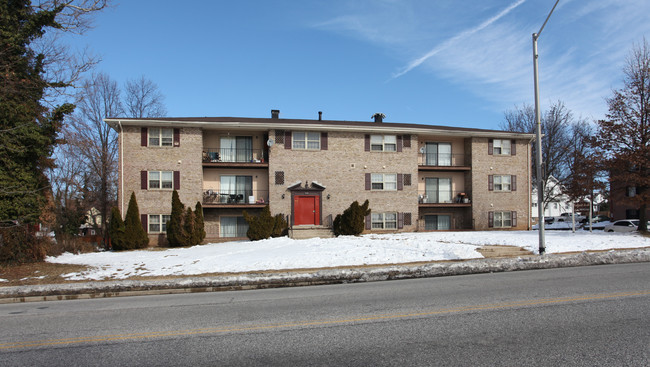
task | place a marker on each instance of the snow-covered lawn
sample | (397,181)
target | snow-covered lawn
(285,253)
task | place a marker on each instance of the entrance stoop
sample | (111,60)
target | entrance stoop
(310,231)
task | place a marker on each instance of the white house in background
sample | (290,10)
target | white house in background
(561,202)
(558,205)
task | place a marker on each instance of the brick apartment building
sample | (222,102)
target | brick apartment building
(416,177)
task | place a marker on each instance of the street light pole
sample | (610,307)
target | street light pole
(538,120)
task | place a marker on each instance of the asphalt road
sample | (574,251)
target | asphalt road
(587,316)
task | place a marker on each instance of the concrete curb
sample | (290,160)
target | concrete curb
(90,290)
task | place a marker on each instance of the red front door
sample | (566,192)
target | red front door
(306,209)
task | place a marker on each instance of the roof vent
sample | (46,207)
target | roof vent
(320,115)
(379,117)
(275,114)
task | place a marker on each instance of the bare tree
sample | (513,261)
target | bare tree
(95,141)
(557,124)
(624,135)
(143,99)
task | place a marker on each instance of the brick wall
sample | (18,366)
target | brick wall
(186,158)
(483,200)
(341,169)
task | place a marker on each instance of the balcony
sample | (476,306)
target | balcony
(443,162)
(231,157)
(442,198)
(235,198)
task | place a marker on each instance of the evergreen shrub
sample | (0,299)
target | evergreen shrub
(351,222)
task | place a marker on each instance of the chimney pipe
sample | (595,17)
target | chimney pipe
(320,115)
(379,117)
(275,114)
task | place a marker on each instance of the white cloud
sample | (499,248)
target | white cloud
(582,48)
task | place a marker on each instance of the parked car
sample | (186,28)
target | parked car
(623,225)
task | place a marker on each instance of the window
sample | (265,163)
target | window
(161,179)
(306,140)
(236,149)
(383,143)
(437,154)
(437,190)
(437,222)
(631,191)
(384,181)
(233,227)
(501,147)
(502,183)
(161,137)
(502,219)
(236,189)
(158,223)
(384,220)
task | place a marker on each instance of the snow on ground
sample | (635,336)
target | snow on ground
(285,253)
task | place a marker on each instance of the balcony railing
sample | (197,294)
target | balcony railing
(442,160)
(443,197)
(214,155)
(236,197)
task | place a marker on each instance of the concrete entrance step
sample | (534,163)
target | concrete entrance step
(310,231)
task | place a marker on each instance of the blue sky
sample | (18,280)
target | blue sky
(442,62)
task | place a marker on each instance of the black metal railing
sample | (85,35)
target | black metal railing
(443,197)
(442,160)
(215,155)
(247,197)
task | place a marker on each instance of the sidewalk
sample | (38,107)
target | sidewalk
(498,259)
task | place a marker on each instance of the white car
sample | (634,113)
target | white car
(623,225)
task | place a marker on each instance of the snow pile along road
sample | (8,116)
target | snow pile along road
(373,249)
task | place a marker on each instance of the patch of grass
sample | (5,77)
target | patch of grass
(36,273)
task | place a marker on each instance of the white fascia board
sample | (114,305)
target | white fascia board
(245,125)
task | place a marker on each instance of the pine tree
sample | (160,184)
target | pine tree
(200,224)
(175,224)
(260,226)
(135,236)
(189,236)
(351,222)
(28,130)
(116,230)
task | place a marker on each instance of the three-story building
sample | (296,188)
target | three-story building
(416,177)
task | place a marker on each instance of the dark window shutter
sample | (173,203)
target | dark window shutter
(513,183)
(145,224)
(407,141)
(287,140)
(143,180)
(368,222)
(513,147)
(143,136)
(514,218)
(177,137)
(407,219)
(367,181)
(490,146)
(323,141)
(400,181)
(279,137)
(407,179)
(490,182)
(490,219)
(399,143)
(366,145)
(400,220)
(177,180)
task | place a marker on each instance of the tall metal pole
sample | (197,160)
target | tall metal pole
(538,160)
(538,120)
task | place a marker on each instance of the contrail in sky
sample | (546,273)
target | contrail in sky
(417,62)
